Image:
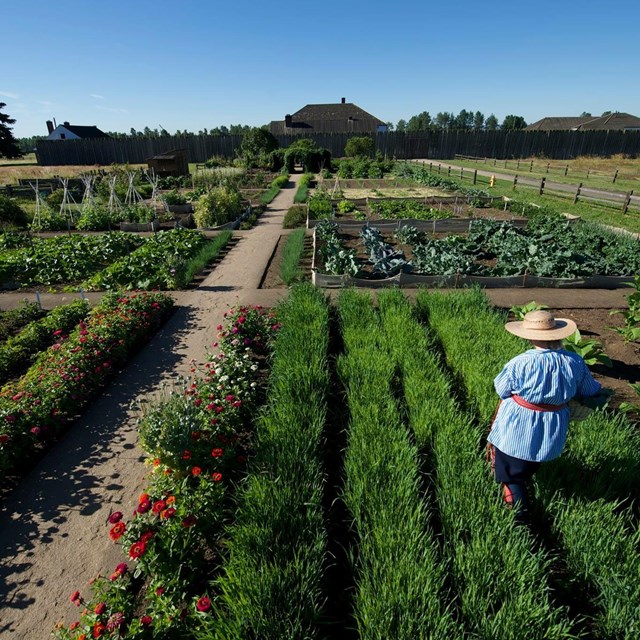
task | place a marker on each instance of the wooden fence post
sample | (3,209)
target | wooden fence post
(575,198)
(505,163)
(615,175)
(518,165)
(627,201)
(515,181)
(531,167)
(449,171)
(566,170)
(461,173)
(439,167)
(542,181)
(475,176)
(494,162)
(547,171)
(430,167)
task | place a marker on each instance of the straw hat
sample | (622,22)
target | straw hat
(541,325)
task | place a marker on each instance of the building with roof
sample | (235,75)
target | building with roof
(66,131)
(611,122)
(341,117)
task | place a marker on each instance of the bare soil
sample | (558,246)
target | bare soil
(272,279)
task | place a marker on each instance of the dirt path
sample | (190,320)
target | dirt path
(53,537)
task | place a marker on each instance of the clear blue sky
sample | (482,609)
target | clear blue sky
(196,64)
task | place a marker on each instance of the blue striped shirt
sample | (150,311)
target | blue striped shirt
(540,376)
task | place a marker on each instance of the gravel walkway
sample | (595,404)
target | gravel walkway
(53,538)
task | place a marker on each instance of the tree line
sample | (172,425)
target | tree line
(465,120)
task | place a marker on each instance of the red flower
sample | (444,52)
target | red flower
(159,591)
(189,521)
(196,435)
(98,629)
(217,452)
(196,471)
(137,549)
(147,535)
(186,455)
(158,506)
(116,516)
(117,531)
(100,608)
(204,604)
(145,621)
(74,625)
(143,497)
(216,477)
(167,513)
(76,598)
(144,506)
(4,438)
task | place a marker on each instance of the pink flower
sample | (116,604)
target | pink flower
(203,604)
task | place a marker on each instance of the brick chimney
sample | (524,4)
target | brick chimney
(343,100)
(66,123)
(288,121)
(49,126)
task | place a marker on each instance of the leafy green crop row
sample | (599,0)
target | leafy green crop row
(497,575)
(64,259)
(12,320)
(399,580)
(159,263)
(583,489)
(271,587)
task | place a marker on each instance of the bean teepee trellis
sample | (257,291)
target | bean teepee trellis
(68,205)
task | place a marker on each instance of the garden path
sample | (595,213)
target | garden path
(53,538)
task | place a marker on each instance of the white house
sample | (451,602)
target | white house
(66,131)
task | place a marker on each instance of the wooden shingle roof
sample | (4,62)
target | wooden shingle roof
(612,122)
(85,131)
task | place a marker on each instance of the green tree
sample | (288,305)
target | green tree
(445,120)
(478,120)
(8,144)
(390,126)
(606,113)
(512,122)
(421,122)
(363,146)
(464,120)
(585,114)
(401,126)
(257,143)
(491,123)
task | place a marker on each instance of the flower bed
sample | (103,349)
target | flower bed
(68,375)
(197,441)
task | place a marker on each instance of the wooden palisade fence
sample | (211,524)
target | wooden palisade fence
(557,145)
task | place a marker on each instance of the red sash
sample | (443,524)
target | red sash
(537,407)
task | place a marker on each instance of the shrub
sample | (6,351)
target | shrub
(359,147)
(12,213)
(219,206)
(295,217)
(174,197)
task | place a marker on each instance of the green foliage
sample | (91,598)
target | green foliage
(320,205)
(363,167)
(305,152)
(160,263)
(295,217)
(513,122)
(216,161)
(521,310)
(590,351)
(11,213)
(401,209)
(302,193)
(98,218)
(346,206)
(631,329)
(217,207)
(256,145)
(174,197)
(207,254)
(359,146)
(290,271)
(64,259)
(20,351)
(12,320)
(274,189)
(8,144)
(55,199)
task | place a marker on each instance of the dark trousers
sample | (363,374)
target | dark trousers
(513,474)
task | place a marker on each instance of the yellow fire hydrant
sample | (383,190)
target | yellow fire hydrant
(492,181)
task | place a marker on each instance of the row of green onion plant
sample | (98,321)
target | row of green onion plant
(272,585)
(400,582)
(497,575)
(592,525)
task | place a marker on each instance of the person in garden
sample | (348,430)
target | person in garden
(535,387)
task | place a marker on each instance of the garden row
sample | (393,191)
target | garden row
(546,248)
(404,534)
(167,260)
(88,349)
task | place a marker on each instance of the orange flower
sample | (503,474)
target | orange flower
(171,500)
(117,531)
(143,497)
(196,471)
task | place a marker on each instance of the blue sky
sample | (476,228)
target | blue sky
(198,64)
